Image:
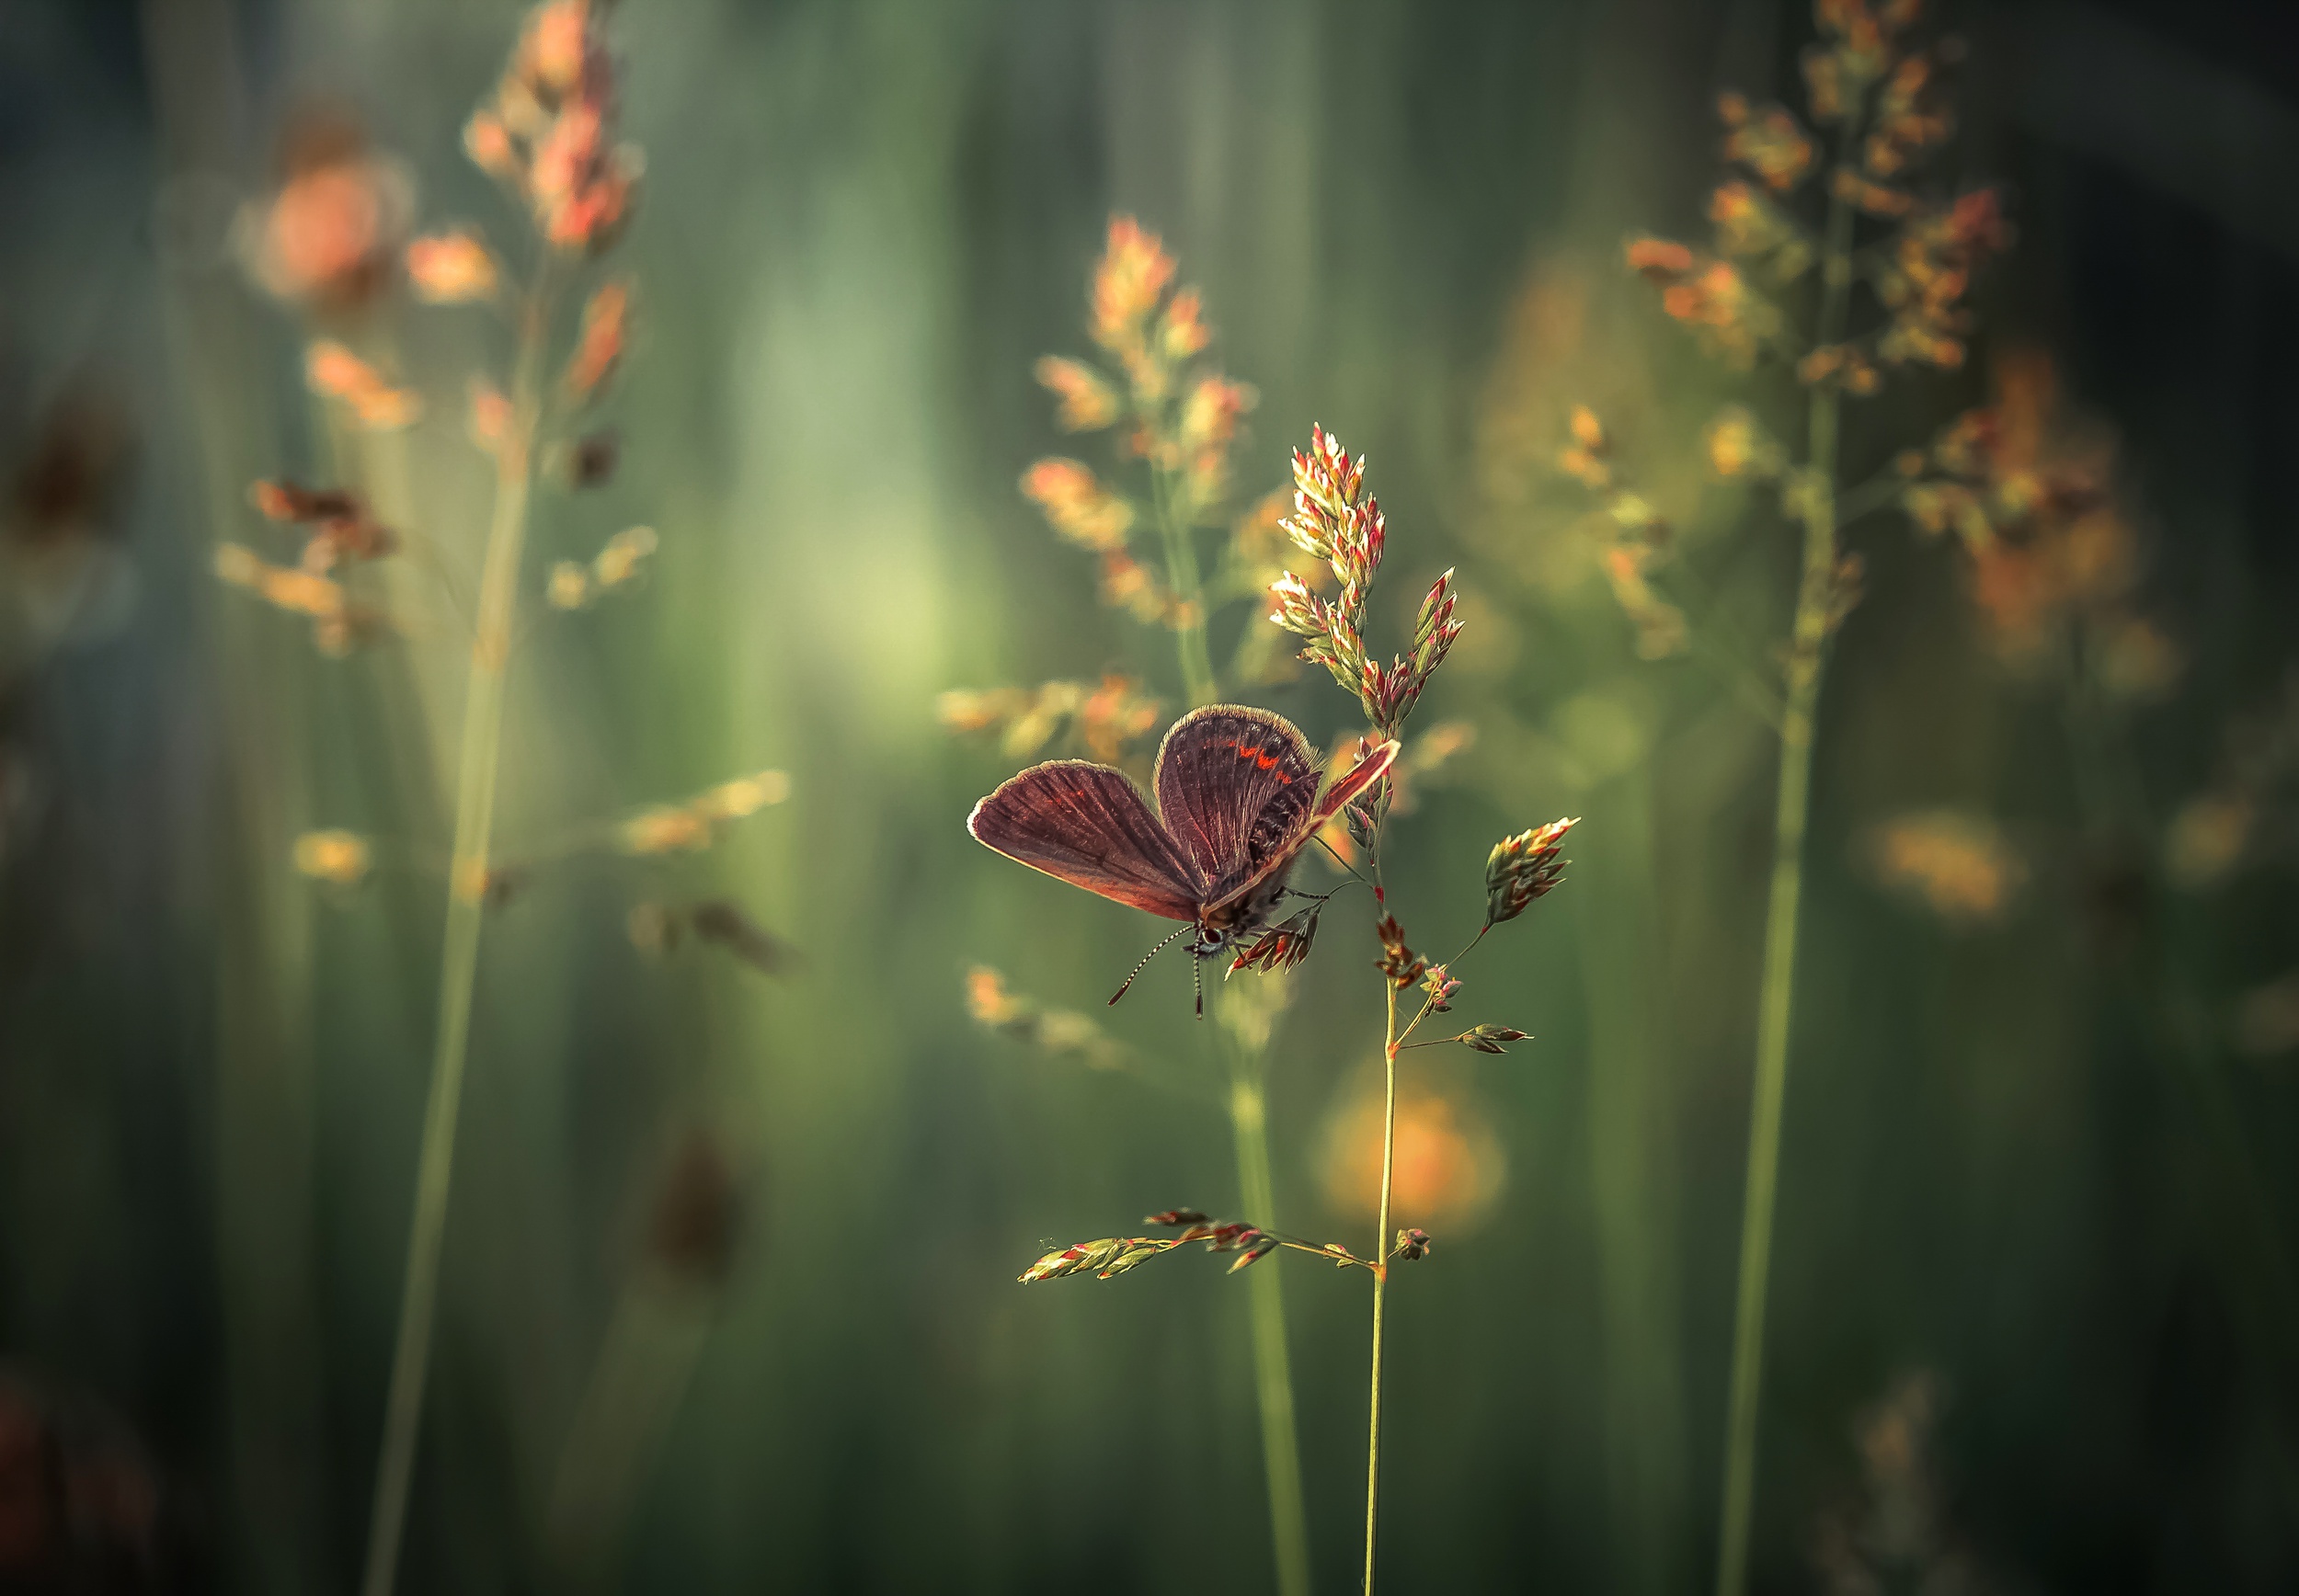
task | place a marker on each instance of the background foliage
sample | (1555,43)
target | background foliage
(2031,1200)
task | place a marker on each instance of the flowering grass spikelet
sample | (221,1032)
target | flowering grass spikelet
(1769,141)
(1114,1255)
(333,372)
(1523,868)
(1077,505)
(1088,402)
(1127,284)
(453,268)
(599,343)
(1335,519)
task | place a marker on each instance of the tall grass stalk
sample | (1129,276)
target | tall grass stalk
(1389,1039)
(1338,522)
(1776,998)
(459,958)
(1273,1366)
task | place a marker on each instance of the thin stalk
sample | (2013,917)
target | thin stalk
(1181,575)
(1281,1456)
(1775,997)
(1273,1371)
(459,959)
(1380,1280)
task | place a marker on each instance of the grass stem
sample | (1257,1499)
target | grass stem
(1380,1280)
(1281,1453)
(1182,577)
(1273,1371)
(459,957)
(1776,999)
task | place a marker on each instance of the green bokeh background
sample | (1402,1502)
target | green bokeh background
(2023,1157)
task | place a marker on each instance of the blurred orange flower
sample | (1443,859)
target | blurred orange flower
(327,236)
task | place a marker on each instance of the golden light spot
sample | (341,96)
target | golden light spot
(1448,1168)
(620,560)
(338,858)
(2207,839)
(569,586)
(746,795)
(1958,865)
(1732,440)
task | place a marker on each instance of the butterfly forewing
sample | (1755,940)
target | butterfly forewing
(1234,784)
(1089,826)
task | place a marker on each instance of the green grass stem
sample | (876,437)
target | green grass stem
(459,957)
(1776,998)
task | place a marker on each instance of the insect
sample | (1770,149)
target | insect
(1238,800)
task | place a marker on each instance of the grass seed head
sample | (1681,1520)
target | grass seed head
(1523,868)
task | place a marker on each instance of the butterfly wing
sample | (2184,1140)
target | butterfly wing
(1345,788)
(1232,782)
(1088,825)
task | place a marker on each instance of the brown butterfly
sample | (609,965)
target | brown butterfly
(1238,800)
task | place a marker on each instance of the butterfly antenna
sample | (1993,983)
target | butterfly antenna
(1145,962)
(1197,979)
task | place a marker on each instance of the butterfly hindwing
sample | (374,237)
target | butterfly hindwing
(1089,826)
(1232,783)
(1345,788)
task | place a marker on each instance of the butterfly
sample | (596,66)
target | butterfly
(1238,800)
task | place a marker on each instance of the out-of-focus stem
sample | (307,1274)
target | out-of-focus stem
(459,959)
(1273,1371)
(1807,656)
(1180,574)
(1380,1279)
(653,1339)
(1281,1454)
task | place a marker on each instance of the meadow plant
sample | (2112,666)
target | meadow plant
(1176,419)
(2029,486)
(1338,521)
(1897,1532)
(1836,292)
(547,135)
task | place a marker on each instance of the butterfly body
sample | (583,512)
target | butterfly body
(1237,798)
